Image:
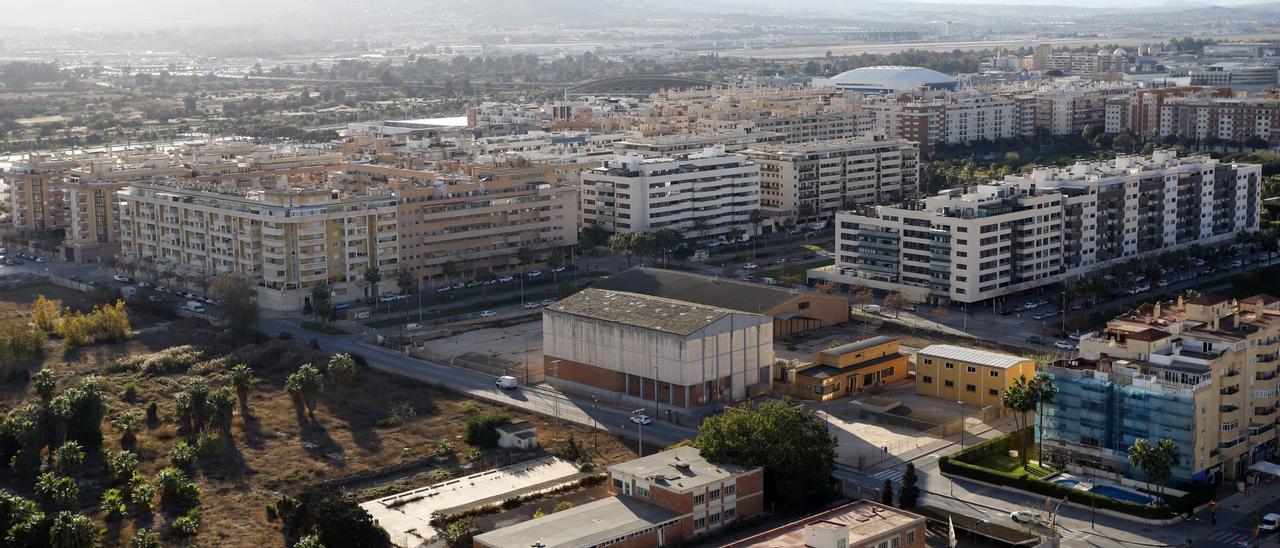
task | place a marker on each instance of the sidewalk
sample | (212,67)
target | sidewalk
(1259,497)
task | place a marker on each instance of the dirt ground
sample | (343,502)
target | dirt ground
(512,347)
(276,447)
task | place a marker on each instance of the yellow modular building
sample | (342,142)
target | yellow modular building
(849,368)
(976,377)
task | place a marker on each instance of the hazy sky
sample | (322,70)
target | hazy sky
(126,13)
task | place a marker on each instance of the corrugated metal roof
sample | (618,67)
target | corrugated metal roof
(669,315)
(971,355)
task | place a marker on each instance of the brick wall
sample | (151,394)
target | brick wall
(582,373)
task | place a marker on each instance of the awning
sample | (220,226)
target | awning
(1264,467)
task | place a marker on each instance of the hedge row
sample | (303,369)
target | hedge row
(999,445)
(1196,496)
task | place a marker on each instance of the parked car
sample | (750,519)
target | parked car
(641,419)
(41,260)
(488,314)
(1037,339)
(506,382)
(506,279)
(162,289)
(444,289)
(120,278)
(1064,345)
(1269,522)
(76,279)
(558,269)
(342,306)
(750,266)
(909,308)
(533,274)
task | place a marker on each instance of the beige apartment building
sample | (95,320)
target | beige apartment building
(36,201)
(285,241)
(1201,372)
(473,220)
(811,181)
(93,233)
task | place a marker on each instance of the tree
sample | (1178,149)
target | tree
(220,408)
(70,457)
(128,424)
(322,300)
(21,522)
(71,530)
(526,257)
(459,533)
(1141,454)
(1123,143)
(592,236)
(57,492)
(304,385)
(1017,398)
(1042,391)
(406,282)
(450,270)
(621,244)
(121,466)
(309,541)
(374,276)
(895,301)
(343,370)
(144,539)
(44,314)
(334,517)
(909,492)
(790,443)
(886,492)
(242,379)
(45,382)
(237,302)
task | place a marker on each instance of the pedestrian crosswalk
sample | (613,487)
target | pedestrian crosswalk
(893,474)
(1228,537)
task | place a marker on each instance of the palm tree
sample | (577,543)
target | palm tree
(405,281)
(1017,398)
(304,385)
(1141,454)
(343,370)
(372,275)
(241,379)
(1041,390)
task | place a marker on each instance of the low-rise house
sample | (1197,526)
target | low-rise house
(518,435)
(859,524)
(976,377)
(849,368)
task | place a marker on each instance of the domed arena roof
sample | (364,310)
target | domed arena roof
(890,79)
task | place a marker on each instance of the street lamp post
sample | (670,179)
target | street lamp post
(639,431)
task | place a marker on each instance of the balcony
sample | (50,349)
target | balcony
(1264,411)
(1231,373)
(1233,389)
(1266,376)
(1228,408)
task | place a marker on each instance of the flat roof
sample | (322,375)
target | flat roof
(828,371)
(863,519)
(971,355)
(708,290)
(679,469)
(586,525)
(646,311)
(858,345)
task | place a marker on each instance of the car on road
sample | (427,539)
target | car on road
(750,266)
(1025,516)
(1037,339)
(506,279)
(1269,522)
(43,260)
(533,274)
(144,284)
(909,308)
(443,289)
(488,314)
(548,302)
(121,278)
(641,419)
(342,306)
(558,269)
(532,305)
(491,282)
(506,382)
(1065,345)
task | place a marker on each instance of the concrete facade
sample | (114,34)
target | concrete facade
(809,182)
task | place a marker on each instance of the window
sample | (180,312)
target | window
(699,523)
(928,361)
(715,494)
(911,537)
(713,518)
(642,491)
(948,384)
(728,514)
(970,388)
(842,543)
(804,305)
(993,392)
(893,542)
(730,489)
(697,499)
(950,365)
(928,379)
(617,483)
(994,373)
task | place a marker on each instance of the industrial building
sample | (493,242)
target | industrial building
(656,351)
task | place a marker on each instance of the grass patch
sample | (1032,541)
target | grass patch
(811,247)
(325,329)
(796,269)
(1010,465)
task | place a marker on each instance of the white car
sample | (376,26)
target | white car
(532,305)
(506,279)
(533,274)
(121,278)
(548,302)
(1270,522)
(750,266)
(910,308)
(488,314)
(641,419)
(558,269)
(42,260)
(1024,516)
(1064,345)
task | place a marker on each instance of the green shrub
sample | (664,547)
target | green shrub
(470,408)
(482,430)
(153,413)
(210,444)
(145,539)
(186,525)
(130,391)
(113,504)
(444,449)
(182,455)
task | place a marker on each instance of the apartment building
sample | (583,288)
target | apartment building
(859,524)
(1237,76)
(975,377)
(1139,111)
(468,222)
(795,114)
(1067,109)
(1236,120)
(658,500)
(1031,230)
(1201,372)
(93,233)
(709,194)
(809,182)
(653,351)
(284,241)
(37,201)
(950,118)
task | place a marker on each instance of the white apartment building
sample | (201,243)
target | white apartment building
(951,118)
(809,182)
(284,241)
(703,195)
(1032,230)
